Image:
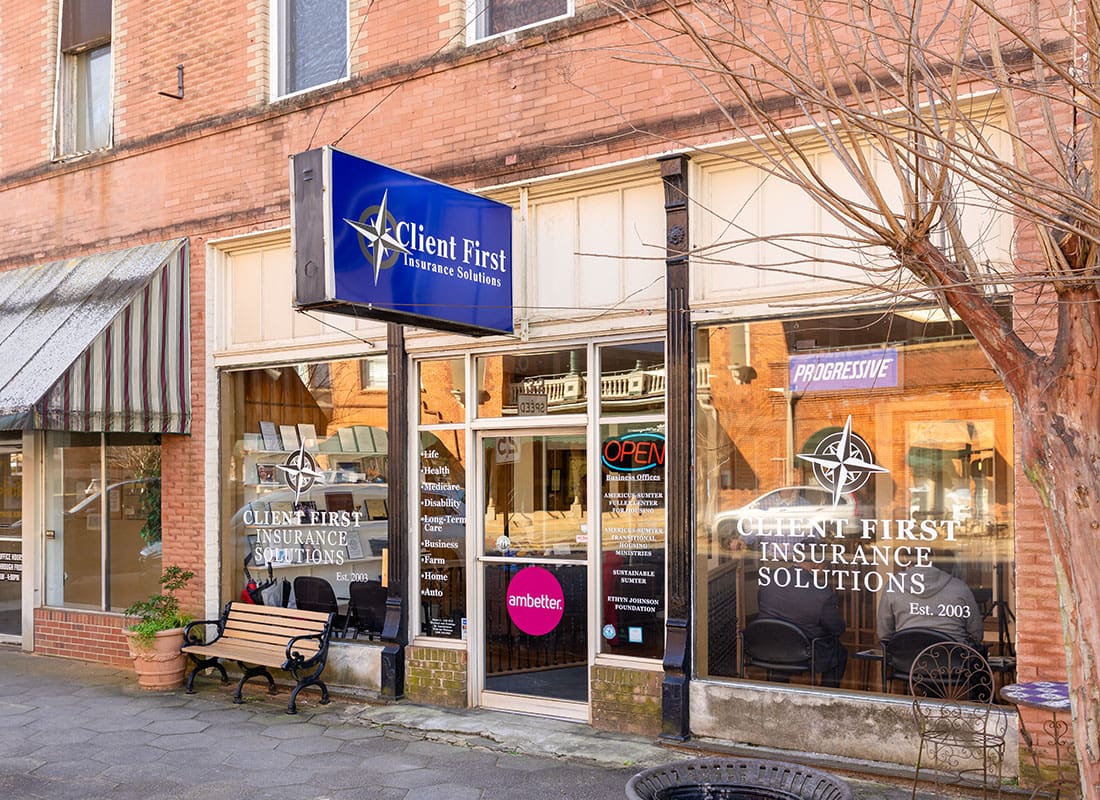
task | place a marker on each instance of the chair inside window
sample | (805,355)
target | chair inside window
(899,651)
(366,608)
(316,594)
(778,647)
(952,688)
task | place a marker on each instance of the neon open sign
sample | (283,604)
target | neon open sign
(635,452)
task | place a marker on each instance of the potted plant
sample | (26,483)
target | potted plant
(155,639)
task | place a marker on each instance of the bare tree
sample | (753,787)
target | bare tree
(930,106)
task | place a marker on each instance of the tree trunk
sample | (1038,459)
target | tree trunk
(1059,416)
(1057,399)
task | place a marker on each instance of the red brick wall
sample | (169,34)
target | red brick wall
(183,470)
(215,162)
(84,635)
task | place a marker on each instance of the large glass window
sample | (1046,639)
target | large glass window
(492,17)
(632,493)
(85,77)
(312,43)
(441,498)
(305,494)
(632,379)
(531,384)
(103,520)
(853,481)
(632,499)
(442,523)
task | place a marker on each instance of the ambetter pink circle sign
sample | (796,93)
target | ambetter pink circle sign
(536,601)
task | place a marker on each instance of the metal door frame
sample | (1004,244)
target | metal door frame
(530,704)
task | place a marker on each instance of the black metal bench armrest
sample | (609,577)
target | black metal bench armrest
(297,659)
(190,638)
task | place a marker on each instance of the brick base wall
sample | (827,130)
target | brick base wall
(83,635)
(436,676)
(627,700)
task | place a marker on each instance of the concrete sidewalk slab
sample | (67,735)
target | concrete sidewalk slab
(73,729)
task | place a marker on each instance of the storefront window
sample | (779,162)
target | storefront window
(632,489)
(632,379)
(443,391)
(442,522)
(535,496)
(533,383)
(103,519)
(305,506)
(853,481)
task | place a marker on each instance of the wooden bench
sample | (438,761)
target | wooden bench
(261,637)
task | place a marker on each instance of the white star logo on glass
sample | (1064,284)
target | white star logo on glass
(378,236)
(842,462)
(301,472)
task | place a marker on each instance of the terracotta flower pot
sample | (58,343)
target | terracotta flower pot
(159,664)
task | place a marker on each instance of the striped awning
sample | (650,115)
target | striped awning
(99,343)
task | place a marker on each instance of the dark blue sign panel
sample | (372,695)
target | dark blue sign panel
(855,369)
(407,249)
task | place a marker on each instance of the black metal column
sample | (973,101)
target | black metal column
(678,467)
(396,627)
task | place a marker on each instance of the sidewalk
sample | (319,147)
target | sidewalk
(71,729)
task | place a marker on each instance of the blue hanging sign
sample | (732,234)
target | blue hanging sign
(372,241)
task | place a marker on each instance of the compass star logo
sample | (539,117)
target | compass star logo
(377,229)
(842,462)
(300,472)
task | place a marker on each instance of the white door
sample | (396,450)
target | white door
(533,573)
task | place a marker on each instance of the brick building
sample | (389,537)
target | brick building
(145,143)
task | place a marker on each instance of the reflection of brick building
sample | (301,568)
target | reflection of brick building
(938,381)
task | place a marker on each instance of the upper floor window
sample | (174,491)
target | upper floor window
(312,44)
(84,85)
(491,17)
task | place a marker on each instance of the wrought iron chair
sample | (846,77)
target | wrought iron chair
(366,608)
(316,594)
(778,647)
(952,688)
(899,651)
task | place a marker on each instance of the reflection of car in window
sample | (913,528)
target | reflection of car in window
(93,495)
(791,511)
(92,505)
(127,513)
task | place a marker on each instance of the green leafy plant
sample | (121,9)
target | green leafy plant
(150,510)
(161,611)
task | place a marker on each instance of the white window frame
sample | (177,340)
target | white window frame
(277,52)
(473,26)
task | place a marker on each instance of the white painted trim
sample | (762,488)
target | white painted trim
(215,277)
(536,706)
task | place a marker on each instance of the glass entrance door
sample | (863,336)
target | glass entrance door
(11,541)
(534,573)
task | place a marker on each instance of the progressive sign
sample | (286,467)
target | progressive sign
(856,369)
(372,241)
